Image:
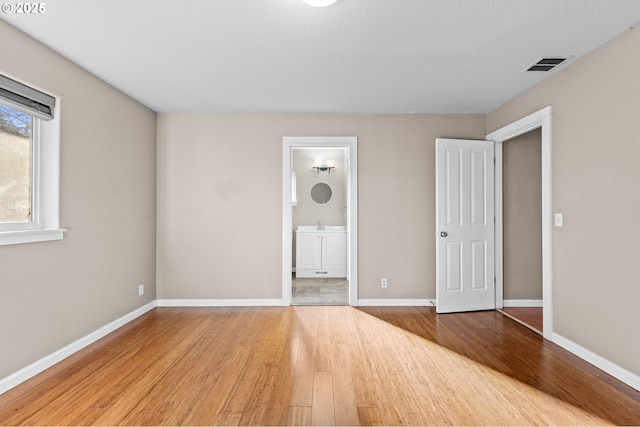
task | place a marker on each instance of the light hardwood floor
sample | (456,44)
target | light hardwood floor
(321,366)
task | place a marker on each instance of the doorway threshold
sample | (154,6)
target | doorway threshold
(531,317)
(315,291)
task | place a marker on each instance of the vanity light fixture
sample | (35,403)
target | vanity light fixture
(319,3)
(324,166)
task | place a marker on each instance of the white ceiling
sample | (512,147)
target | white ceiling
(356,56)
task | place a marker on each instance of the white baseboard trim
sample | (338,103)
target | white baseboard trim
(598,361)
(522,303)
(220,302)
(46,362)
(397,302)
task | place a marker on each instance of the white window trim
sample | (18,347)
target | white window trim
(46,186)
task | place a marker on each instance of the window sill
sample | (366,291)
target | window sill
(30,236)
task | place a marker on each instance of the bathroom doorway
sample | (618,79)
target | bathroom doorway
(319,221)
(319,213)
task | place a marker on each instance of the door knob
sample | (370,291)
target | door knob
(443,234)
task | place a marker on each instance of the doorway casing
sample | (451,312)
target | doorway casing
(540,119)
(350,144)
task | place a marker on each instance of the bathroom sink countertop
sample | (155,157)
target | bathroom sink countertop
(307,228)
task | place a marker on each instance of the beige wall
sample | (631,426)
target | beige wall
(522,217)
(596,147)
(219,200)
(53,293)
(306,212)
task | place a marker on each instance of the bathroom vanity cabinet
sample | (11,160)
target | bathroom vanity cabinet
(321,253)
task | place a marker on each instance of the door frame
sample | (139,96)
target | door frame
(350,144)
(540,119)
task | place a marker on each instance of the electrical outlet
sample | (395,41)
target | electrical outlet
(141,289)
(383,282)
(557,219)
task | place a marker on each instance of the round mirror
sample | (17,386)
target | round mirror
(321,193)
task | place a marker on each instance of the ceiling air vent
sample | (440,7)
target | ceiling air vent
(546,64)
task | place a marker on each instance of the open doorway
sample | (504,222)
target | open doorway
(319,219)
(541,119)
(522,229)
(330,235)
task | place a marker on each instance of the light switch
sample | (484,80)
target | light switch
(557,219)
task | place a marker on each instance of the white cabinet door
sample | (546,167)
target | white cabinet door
(308,251)
(334,251)
(464,225)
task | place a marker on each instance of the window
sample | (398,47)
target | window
(17,156)
(29,165)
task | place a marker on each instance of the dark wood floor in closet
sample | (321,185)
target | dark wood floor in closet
(531,316)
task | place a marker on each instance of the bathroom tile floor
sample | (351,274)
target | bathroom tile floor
(320,292)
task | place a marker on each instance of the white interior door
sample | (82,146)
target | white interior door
(465,258)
